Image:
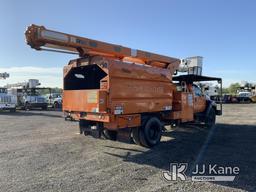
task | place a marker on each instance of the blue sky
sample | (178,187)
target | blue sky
(223,32)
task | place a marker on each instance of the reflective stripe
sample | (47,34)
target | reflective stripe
(51,35)
(134,52)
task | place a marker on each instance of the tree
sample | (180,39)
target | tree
(233,88)
(224,91)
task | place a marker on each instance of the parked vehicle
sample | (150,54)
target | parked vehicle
(227,98)
(54,100)
(57,103)
(7,101)
(110,88)
(28,94)
(253,98)
(245,97)
(32,99)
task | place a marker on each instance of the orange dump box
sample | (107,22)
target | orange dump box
(115,92)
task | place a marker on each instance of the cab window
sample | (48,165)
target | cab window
(3,90)
(197,91)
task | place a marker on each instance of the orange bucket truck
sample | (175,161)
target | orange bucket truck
(109,88)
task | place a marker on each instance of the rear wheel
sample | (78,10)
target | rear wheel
(110,134)
(150,134)
(13,110)
(135,135)
(56,105)
(210,118)
(83,127)
(26,106)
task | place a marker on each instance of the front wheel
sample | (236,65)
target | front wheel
(210,119)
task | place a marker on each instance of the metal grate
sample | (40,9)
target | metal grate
(5,99)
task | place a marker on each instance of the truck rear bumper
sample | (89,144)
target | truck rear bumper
(7,106)
(110,121)
(37,105)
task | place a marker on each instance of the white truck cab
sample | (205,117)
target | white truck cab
(7,101)
(31,98)
(54,100)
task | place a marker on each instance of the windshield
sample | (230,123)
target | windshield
(3,90)
(197,91)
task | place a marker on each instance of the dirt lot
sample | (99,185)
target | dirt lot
(39,151)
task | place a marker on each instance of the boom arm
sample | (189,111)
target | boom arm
(39,38)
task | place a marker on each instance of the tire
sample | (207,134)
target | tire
(210,119)
(135,135)
(13,110)
(56,105)
(151,132)
(109,134)
(83,124)
(26,107)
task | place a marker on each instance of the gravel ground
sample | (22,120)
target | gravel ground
(39,151)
